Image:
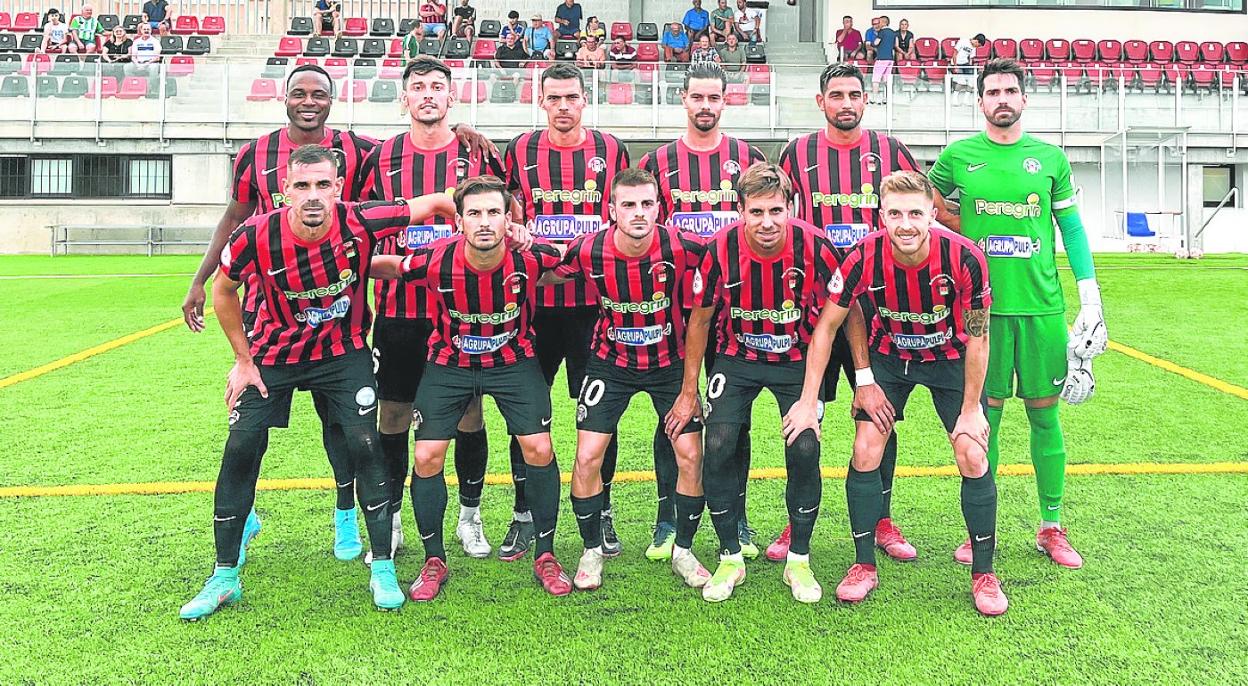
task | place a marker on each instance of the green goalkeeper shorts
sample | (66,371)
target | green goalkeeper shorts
(1031,348)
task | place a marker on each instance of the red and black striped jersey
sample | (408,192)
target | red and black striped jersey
(565,193)
(397,168)
(483,318)
(918,310)
(641,323)
(315,294)
(768,306)
(260,175)
(837,186)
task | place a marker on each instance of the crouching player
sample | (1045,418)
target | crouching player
(637,267)
(484,292)
(930,328)
(311,260)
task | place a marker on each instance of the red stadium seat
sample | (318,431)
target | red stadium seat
(262,90)
(1187,52)
(1031,49)
(1212,52)
(1084,50)
(1072,72)
(181,65)
(1161,51)
(336,67)
(1124,73)
(984,52)
(1005,47)
(484,49)
(758,73)
(1110,50)
(1229,76)
(1150,76)
(396,48)
(6,21)
(356,90)
(737,94)
(183,25)
(212,25)
(132,88)
(647,52)
(37,62)
(391,69)
(908,72)
(1237,52)
(947,47)
(355,26)
(927,49)
(621,29)
(526,92)
(1204,76)
(307,60)
(1177,75)
(934,73)
(647,70)
(1057,49)
(620,94)
(1043,74)
(108,87)
(454,64)
(468,94)
(25,21)
(289,46)
(1135,51)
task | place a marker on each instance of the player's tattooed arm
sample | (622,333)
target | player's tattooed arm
(976,322)
(947,213)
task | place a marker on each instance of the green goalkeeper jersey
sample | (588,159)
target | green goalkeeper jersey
(1009,196)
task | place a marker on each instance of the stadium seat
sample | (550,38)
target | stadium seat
(25,21)
(1175,76)
(47,87)
(275,67)
(927,49)
(1073,75)
(490,28)
(1110,50)
(364,68)
(1137,225)
(307,60)
(675,72)
(262,90)
(526,91)
(759,73)
(131,22)
(1005,47)
(1204,76)
(430,46)
(671,95)
(396,48)
(737,94)
(391,69)
(373,47)
(1083,50)
(484,49)
(198,45)
(336,67)
(10,64)
(1057,49)
(300,26)
(934,75)
(756,53)
(37,63)
(355,26)
(1043,75)
(983,53)
(153,88)
(1161,51)
(1122,73)
(1031,49)
(643,94)
(108,87)
(647,31)
(1187,52)
(1212,52)
(181,65)
(8,42)
(565,49)
(621,29)
(30,42)
(760,96)
(1135,51)
(212,25)
(948,47)
(504,93)
(318,46)
(171,45)
(1098,75)
(647,52)
(108,22)
(458,48)
(469,94)
(454,64)
(1229,77)
(289,46)
(355,90)
(1151,77)
(6,21)
(14,87)
(132,88)
(66,65)
(346,47)
(185,25)
(384,90)
(1237,52)
(73,87)
(382,27)
(405,26)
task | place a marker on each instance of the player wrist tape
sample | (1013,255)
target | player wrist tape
(1089,292)
(863,377)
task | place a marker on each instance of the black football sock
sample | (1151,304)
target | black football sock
(721,481)
(665,476)
(372,485)
(518,477)
(543,485)
(862,491)
(688,517)
(429,502)
(803,490)
(608,471)
(888,465)
(394,449)
(979,509)
(235,492)
(743,459)
(588,512)
(471,453)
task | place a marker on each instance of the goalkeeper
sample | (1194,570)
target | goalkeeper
(1013,187)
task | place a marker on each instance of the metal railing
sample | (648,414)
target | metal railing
(153,240)
(241,16)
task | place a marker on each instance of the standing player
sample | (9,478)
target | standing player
(1013,188)
(764,280)
(929,328)
(312,262)
(836,172)
(697,176)
(560,175)
(484,293)
(428,158)
(637,266)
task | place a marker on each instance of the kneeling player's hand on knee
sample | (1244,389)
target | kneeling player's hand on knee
(243,374)
(871,399)
(686,407)
(803,415)
(973,425)
(1080,384)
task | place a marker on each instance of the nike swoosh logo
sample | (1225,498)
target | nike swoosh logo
(346,484)
(1054,507)
(366,410)
(392,172)
(662,498)
(266,172)
(981,539)
(544,534)
(695,517)
(583,518)
(716,514)
(426,537)
(802,510)
(810,168)
(224,519)
(673,172)
(531,167)
(275,272)
(1059,382)
(733,285)
(474,483)
(876,288)
(374,508)
(546,421)
(860,535)
(976,167)
(445,290)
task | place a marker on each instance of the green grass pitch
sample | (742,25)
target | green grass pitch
(90,586)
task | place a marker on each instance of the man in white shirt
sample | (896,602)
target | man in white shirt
(144,53)
(747,21)
(963,68)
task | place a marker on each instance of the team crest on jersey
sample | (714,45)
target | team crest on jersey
(871,162)
(731,168)
(348,247)
(660,270)
(793,277)
(515,281)
(1032,165)
(596,165)
(942,283)
(459,168)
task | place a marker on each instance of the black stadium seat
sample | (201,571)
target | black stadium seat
(458,49)
(430,46)
(73,87)
(673,95)
(153,87)
(30,42)
(10,63)
(14,86)
(8,42)
(108,22)
(365,68)
(504,92)
(198,45)
(346,47)
(47,87)
(384,90)
(760,95)
(131,22)
(171,45)
(300,26)
(318,46)
(490,28)
(565,50)
(405,26)
(647,31)
(373,47)
(275,68)
(66,65)
(755,54)
(644,94)
(382,27)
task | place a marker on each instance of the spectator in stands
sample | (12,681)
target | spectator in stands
(513,25)
(697,21)
(465,25)
(704,52)
(591,55)
(327,16)
(56,35)
(568,16)
(675,43)
(116,52)
(848,40)
(85,30)
(433,19)
(905,41)
(749,23)
(144,53)
(868,40)
(722,22)
(411,42)
(963,69)
(732,57)
(885,47)
(158,16)
(623,55)
(594,28)
(541,41)
(511,54)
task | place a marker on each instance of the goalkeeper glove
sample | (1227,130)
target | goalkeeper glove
(1088,338)
(1080,385)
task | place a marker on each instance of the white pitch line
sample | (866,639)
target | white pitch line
(17,277)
